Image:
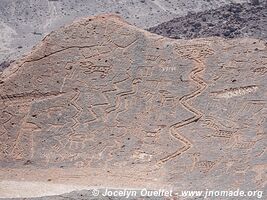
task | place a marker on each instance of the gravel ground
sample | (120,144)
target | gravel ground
(231,21)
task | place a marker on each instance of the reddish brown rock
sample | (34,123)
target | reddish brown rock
(103,103)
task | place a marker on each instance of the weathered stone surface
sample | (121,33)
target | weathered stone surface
(24,23)
(103,103)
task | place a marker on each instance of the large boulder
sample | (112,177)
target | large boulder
(103,103)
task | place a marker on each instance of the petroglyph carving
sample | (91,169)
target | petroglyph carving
(29,96)
(168,69)
(241,144)
(194,51)
(260,70)
(108,99)
(203,165)
(197,55)
(142,156)
(260,177)
(233,92)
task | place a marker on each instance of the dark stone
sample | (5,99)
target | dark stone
(28,162)
(255,2)
(227,33)
(231,21)
(4,65)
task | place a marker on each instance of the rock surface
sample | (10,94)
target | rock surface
(24,23)
(101,103)
(230,21)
